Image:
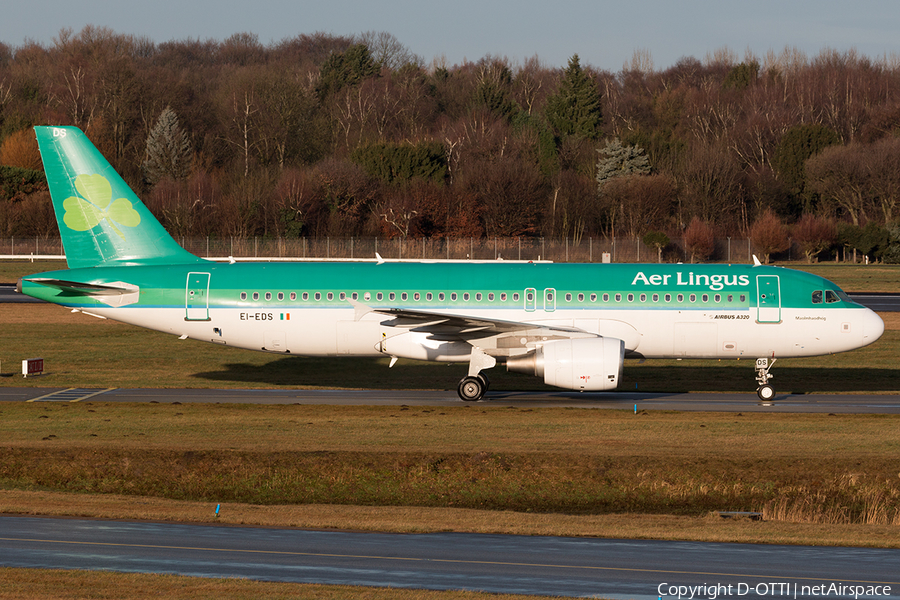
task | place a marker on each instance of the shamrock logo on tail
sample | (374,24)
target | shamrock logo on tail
(96,204)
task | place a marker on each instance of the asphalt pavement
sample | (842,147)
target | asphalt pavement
(543,565)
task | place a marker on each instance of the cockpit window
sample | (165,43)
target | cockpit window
(831,297)
(843,296)
(817,297)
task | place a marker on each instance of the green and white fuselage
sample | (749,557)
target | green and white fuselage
(572,324)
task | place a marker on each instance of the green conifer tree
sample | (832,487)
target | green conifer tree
(617,160)
(575,108)
(169,152)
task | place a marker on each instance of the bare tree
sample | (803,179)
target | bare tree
(814,234)
(700,240)
(769,235)
(387,51)
(839,175)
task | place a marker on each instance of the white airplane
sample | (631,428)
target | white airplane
(570,324)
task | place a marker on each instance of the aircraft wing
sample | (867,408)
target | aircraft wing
(451,327)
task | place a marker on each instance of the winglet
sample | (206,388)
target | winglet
(756,262)
(378,258)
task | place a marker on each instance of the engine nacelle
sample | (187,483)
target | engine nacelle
(586,364)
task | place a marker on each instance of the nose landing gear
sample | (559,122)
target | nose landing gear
(765,391)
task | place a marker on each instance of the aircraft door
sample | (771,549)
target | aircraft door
(196,297)
(768,299)
(549,299)
(530,299)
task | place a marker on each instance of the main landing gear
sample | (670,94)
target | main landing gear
(765,391)
(472,387)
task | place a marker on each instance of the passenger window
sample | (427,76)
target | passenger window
(631,297)
(428,296)
(581,297)
(693,297)
(280,296)
(392,295)
(831,297)
(355,295)
(256,295)
(568,297)
(503,297)
(416,296)
(515,296)
(305,296)
(404,295)
(453,296)
(529,296)
(331,295)
(367,296)
(593,297)
(656,297)
(668,297)
(318,295)
(606,297)
(743,297)
(293,296)
(243,295)
(441,296)
(705,297)
(680,297)
(491,296)
(730,298)
(478,296)
(379,296)
(342,296)
(643,297)
(465,295)
(618,297)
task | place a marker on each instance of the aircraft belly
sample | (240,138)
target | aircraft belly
(357,338)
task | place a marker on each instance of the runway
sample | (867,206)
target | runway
(583,567)
(715,402)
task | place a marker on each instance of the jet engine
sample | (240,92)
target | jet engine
(585,364)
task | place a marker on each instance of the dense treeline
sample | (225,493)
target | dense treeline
(356,136)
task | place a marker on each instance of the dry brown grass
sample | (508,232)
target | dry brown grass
(410,519)
(421,461)
(46,584)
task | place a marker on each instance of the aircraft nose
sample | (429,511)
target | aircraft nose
(873,326)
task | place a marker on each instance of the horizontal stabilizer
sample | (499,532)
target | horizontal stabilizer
(117,293)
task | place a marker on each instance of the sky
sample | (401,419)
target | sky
(603,33)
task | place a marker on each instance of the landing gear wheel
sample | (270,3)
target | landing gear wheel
(485,380)
(471,389)
(765,392)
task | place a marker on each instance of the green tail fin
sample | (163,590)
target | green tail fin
(101,220)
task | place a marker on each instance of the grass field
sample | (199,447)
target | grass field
(45,584)
(541,468)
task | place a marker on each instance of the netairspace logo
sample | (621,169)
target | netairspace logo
(772,589)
